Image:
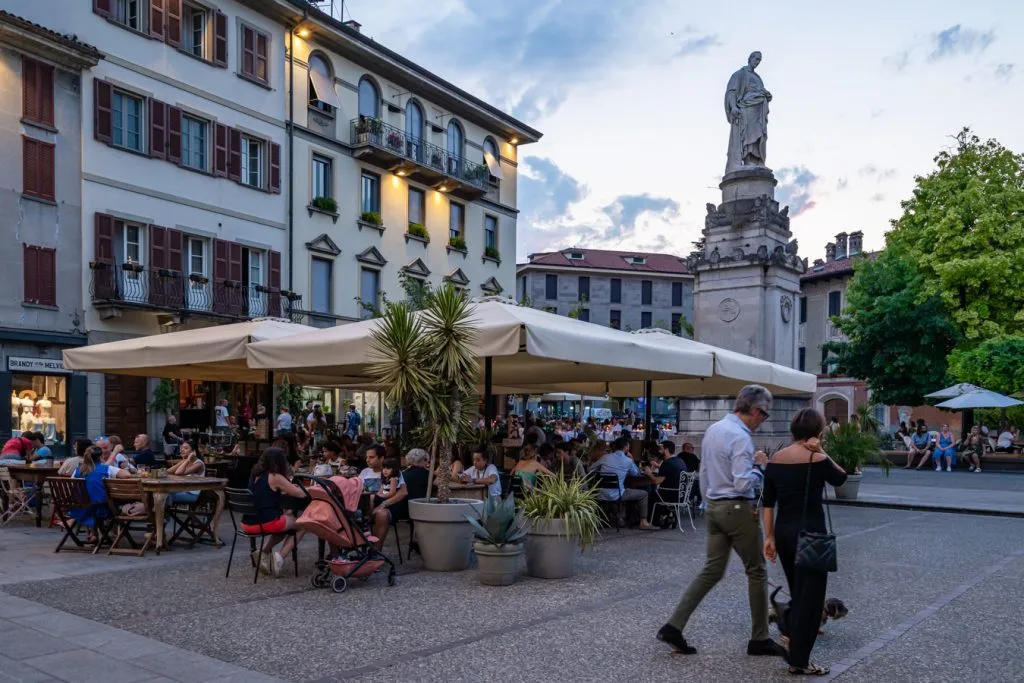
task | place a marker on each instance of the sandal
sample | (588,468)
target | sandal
(809,670)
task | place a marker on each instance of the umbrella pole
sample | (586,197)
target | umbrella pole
(648,421)
(488,391)
(269,404)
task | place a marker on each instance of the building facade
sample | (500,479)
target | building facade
(624,290)
(42,74)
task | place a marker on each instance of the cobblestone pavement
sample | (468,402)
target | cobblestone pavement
(932,597)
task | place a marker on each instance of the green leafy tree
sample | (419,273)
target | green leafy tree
(964,228)
(577,308)
(996,364)
(898,334)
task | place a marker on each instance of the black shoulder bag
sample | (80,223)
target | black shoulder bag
(815,551)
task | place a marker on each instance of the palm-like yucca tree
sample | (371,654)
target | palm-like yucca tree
(427,362)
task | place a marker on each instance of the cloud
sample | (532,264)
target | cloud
(898,60)
(546,192)
(842,183)
(794,189)
(877,197)
(697,45)
(659,244)
(957,40)
(870,170)
(1004,72)
(626,209)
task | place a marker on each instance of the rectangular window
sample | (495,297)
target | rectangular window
(195,30)
(417,207)
(803,309)
(370,198)
(253,266)
(127,118)
(38,169)
(615,319)
(40,275)
(131,13)
(616,290)
(645,320)
(254,54)
(801,359)
(583,288)
(252,161)
(322,183)
(677,323)
(132,248)
(646,289)
(369,290)
(551,287)
(196,256)
(321,285)
(36,91)
(193,143)
(456,220)
(677,293)
(835,302)
(198,293)
(585,315)
(490,232)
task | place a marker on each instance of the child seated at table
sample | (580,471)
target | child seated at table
(390,472)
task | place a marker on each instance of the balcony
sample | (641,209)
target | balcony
(390,148)
(115,287)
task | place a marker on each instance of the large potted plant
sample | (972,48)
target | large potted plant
(426,362)
(564,516)
(852,445)
(500,534)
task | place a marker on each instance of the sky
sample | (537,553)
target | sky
(629,96)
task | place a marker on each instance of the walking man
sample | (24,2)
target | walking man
(730,471)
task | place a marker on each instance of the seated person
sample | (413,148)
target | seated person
(689,457)
(172,431)
(69,466)
(417,473)
(20,449)
(621,465)
(270,485)
(945,449)
(669,472)
(114,452)
(921,444)
(973,447)
(94,472)
(546,453)
(331,457)
(456,471)
(391,481)
(569,466)
(528,467)
(482,472)
(1004,444)
(190,464)
(143,453)
(380,512)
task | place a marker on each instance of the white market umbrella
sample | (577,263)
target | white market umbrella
(979,398)
(209,353)
(953,391)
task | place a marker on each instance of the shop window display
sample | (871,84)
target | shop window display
(39,404)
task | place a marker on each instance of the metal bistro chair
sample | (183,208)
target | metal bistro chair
(15,497)
(242,502)
(682,496)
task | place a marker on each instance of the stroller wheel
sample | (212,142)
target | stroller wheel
(317,581)
(339,584)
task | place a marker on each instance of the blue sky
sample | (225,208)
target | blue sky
(629,97)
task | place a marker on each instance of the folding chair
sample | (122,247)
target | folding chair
(122,492)
(70,495)
(194,519)
(242,502)
(16,498)
(682,499)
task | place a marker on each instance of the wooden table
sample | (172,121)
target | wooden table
(471,491)
(160,489)
(36,475)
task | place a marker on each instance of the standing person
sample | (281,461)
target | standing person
(284,422)
(795,480)
(729,474)
(352,421)
(222,416)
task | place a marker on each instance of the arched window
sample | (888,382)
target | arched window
(455,143)
(493,162)
(414,130)
(369,98)
(322,95)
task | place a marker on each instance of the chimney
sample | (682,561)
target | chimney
(353,24)
(841,245)
(856,243)
(818,262)
(830,251)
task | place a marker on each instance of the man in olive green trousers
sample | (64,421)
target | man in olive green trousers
(729,474)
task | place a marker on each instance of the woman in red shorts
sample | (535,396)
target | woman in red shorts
(270,484)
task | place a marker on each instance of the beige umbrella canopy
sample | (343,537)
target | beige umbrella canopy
(530,350)
(208,353)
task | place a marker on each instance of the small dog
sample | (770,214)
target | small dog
(834,609)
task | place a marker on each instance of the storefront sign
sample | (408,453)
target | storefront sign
(32,365)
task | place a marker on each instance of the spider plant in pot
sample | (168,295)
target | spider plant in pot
(426,360)
(500,533)
(564,516)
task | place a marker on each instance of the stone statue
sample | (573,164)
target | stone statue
(746,109)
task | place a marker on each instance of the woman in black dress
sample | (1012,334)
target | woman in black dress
(786,485)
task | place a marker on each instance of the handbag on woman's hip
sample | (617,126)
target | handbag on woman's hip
(815,551)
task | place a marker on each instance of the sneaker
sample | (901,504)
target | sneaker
(938,468)
(971,468)
(977,469)
(765,648)
(265,563)
(948,468)
(278,563)
(671,635)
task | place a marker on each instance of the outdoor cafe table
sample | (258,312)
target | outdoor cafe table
(471,491)
(160,488)
(36,475)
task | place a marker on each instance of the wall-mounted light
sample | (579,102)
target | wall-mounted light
(303,33)
(513,140)
(443,188)
(400,174)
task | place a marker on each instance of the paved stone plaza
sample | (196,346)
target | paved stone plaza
(932,597)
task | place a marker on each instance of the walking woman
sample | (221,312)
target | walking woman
(794,480)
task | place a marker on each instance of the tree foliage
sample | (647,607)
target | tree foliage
(964,228)
(898,334)
(996,364)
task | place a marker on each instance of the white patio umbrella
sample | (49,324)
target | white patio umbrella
(953,391)
(208,353)
(979,398)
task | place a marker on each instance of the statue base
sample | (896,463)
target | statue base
(748,182)
(697,414)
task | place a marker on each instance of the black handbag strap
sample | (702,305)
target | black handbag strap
(807,491)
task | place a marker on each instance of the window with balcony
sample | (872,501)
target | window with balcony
(615,319)
(369,290)
(252,161)
(583,288)
(369,98)
(414,131)
(456,142)
(646,292)
(456,221)
(417,207)
(677,293)
(127,121)
(322,177)
(320,274)
(132,249)
(645,320)
(616,290)
(551,287)
(195,37)
(198,292)
(369,201)
(194,140)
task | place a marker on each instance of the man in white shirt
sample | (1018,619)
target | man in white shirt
(284,421)
(221,415)
(621,465)
(381,514)
(1004,444)
(482,472)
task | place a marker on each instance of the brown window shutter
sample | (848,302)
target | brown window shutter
(30,89)
(31,163)
(274,283)
(174,134)
(176,262)
(238,296)
(173,36)
(103,126)
(220,40)
(235,155)
(103,276)
(47,277)
(275,168)
(261,58)
(220,274)
(248,51)
(47,171)
(157,129)
(220,151)
(45,91)
(101,7)
(30,261)
(158,284)
(156,18)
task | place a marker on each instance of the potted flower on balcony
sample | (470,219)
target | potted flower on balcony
(419,231)
(563,515)
(131,267)
(395,141)
(198,278)
(500,533)
(435,160)
(371,217)
(368,128)
(492,253)
(325,204)
(458,243)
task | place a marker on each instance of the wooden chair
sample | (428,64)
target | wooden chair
(241,501)
(610,482)
(121,492)
(69,496)
(194,519)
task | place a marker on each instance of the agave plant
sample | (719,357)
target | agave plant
(573,500)
(500,525)
(426,361)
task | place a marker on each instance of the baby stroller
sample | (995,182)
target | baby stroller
(332,517)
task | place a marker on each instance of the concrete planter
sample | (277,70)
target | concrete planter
(549,554)
(444,536)
(849,490)
(497,565)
